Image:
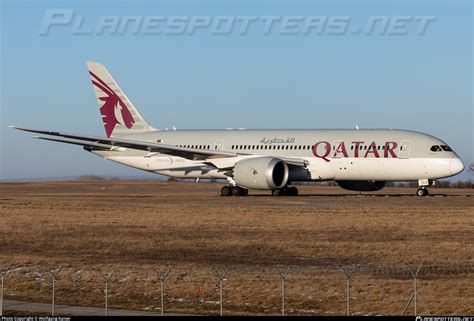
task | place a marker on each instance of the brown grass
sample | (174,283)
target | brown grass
(135,226)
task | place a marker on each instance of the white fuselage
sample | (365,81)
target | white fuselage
(375,155)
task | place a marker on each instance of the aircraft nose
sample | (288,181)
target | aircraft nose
(456,166)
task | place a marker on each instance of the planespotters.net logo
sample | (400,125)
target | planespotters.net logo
(284,25)
(439,318)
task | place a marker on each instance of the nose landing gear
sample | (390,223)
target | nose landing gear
(424,183)
(422,191)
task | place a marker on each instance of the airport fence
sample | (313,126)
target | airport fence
(353,289)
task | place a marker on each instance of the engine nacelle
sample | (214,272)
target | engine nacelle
(261,173)
(362,186)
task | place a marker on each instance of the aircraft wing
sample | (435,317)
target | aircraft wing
(103,143)
(114,143)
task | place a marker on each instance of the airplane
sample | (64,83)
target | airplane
(273,160)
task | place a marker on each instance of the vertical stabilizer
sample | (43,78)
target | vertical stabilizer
(119,115)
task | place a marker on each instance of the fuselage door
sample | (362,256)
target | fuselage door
(405,146)
(219,145)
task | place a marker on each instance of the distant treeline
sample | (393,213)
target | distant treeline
(91,178)
(96,178)
(438,184)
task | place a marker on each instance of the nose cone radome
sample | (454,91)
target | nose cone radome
(456,166)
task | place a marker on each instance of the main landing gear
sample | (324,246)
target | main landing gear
(285,191)
(234,191)
(239,191)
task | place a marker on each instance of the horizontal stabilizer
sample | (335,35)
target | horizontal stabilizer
(75,142)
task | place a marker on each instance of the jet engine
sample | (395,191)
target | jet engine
(261,173)
(362,186)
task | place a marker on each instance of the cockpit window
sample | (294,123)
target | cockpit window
(435,148)
(446,148)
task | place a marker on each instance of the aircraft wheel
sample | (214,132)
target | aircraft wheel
(277,192)
(293,191)
(226,191)
(237,191)
(422,191)
(285,191)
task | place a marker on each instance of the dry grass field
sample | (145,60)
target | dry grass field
(134,227)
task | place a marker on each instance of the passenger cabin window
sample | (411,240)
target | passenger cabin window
(435,148)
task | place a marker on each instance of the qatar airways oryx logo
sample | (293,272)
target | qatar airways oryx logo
(357,149)
(113,111)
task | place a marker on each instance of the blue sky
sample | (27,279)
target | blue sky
(255,80)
